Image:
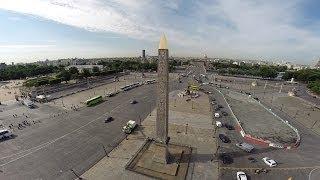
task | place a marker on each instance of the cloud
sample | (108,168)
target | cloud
(242,28)
(14,18)
(24,46)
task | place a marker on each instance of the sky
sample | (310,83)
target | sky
(32,30)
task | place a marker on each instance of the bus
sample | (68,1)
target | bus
(94,101)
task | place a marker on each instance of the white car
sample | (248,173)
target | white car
(5,133)
(269,162)
(241,175)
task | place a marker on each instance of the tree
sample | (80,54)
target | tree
(86,73)
(268,72)
(64,75)
(96,70)
(74,70)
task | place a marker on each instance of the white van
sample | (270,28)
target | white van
(5,133)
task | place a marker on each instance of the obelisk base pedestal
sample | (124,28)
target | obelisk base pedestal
(162,161)
(161,153)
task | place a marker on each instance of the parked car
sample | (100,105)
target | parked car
(110,94)
(5,133)
(269,162)
(220,106)
(213,103)
(224,138)
(224,113)
(229,126)
(226,159)
(252,160)
(241,175)
(108,119)
(218,124)
(245,146)
(133,102)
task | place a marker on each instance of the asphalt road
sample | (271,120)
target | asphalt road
(302,92)
(69,144)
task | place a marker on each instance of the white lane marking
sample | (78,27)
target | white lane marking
(41,146)
(52,141)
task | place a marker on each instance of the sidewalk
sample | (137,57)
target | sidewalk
(198,134)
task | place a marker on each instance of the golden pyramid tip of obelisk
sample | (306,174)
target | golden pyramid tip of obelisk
(163,42)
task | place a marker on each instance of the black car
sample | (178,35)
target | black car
(224,138)
(229,126)
(220,106)
(108,119)
(224,113)
(252,160)
(225,158)
(133,102)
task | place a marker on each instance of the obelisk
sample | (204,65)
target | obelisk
(161,154)
(162,91)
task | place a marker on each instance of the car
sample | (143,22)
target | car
(108,119)
(220,106)
(133,102)
(245,146)
(213,103)
(110,94)
(241,175)
(226,159)
(269,162)
(224,138)
(224,113)
(252,160)
(5,133)
(213,99)
(229,126)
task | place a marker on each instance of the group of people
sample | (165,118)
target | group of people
(23,124)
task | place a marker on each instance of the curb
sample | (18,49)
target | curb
(260,141)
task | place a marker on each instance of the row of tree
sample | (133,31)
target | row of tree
(248,70)
(109,67)
(29,70)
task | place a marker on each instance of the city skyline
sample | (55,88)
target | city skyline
(38,30)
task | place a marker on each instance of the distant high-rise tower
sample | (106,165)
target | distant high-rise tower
(143,54)
(317,65)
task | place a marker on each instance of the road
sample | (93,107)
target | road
(74,141)
(302,92)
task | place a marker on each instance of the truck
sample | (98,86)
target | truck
(129,126)
(245,146)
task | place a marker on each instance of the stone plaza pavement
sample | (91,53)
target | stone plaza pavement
(198,134)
